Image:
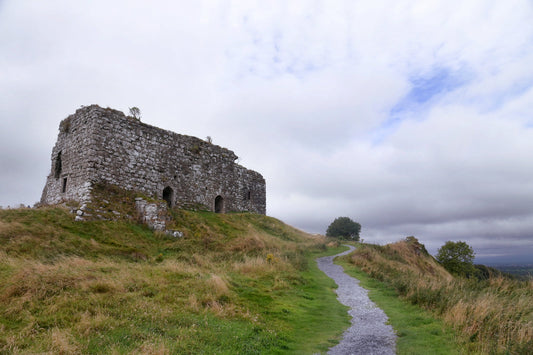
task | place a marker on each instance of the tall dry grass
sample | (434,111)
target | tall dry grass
(494,316)
(65,286)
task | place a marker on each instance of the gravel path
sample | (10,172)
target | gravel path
(368,334)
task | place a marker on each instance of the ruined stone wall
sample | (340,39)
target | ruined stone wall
(104,146)
(70,172)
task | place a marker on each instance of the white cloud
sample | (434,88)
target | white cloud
(320,97)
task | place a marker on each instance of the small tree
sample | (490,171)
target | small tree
(457,258)
(344,227)
(135,113)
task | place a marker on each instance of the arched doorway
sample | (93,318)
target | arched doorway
(168,195)
(219,204)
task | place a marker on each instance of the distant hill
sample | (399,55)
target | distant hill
(523,271)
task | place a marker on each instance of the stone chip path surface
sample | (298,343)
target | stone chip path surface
(369,333)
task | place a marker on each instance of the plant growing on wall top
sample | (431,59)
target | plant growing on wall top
(195,149)
(64,126)
(135,113)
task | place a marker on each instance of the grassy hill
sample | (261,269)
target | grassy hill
(492,316)
(234,283)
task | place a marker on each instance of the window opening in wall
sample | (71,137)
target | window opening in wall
(168,195)
(249,195)
(219,204)
(57,166)
(64,186)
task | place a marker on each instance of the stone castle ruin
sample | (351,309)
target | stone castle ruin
(104,146)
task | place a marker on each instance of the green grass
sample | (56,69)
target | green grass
(235,283)
(489,316)
(302,311)
(417,330)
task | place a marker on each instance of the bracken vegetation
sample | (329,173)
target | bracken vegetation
(235,283)
(492,316)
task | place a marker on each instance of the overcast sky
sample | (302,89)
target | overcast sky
(410,117)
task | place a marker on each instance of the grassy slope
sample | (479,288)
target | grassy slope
(236,283)
(490,317)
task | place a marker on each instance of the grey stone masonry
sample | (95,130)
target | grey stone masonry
(102,145)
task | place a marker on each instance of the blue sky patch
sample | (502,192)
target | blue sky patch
(424,89)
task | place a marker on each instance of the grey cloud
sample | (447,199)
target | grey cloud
(303,94)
